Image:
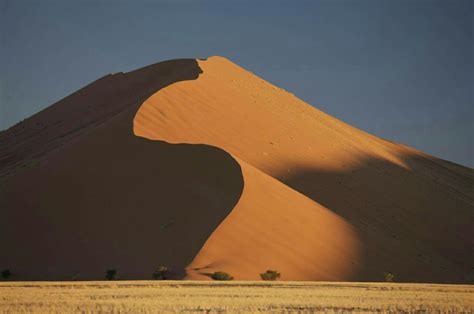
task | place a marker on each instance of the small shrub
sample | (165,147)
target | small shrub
(220,275)
(161,273)
(270,275)
(110,274)
(6,274)
(389,277)
(470,277)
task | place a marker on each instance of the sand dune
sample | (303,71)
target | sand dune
(203,166)
(393,196)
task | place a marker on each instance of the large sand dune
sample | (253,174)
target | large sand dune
(202,166)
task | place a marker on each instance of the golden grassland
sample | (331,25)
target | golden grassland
(234,296)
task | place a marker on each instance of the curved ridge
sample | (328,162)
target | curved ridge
(272,225)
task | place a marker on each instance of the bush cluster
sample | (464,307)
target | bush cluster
(6,273)
(161,273)
(389,277)
(270,275)
(110,274)
(220,275)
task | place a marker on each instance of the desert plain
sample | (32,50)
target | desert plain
(233,297)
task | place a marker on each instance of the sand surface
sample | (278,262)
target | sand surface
(203,166)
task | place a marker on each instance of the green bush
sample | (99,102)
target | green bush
(220,275)
(6,274)
(389,277)
(110,274)
(161,273)
(270,275)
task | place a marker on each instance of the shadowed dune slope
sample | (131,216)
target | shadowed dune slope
(106,198)
(393,208)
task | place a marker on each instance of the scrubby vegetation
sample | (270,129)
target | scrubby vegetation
(110,274)
(6,274)
(389,277)
(220,275)
(161,273)
(270,275)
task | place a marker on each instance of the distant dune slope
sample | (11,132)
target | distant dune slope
(412,213)
(202,166)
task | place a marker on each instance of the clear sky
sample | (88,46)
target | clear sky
(402,70)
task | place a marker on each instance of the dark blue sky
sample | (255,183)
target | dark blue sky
(402,70)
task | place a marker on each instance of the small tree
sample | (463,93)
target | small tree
(110,274)
(270,275)
(6,274)
(161,273)
(389,277)
(220,275)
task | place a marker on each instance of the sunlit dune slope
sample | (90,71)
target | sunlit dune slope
(275,227)
(395,199)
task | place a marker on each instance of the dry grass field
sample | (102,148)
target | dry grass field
(235,297)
